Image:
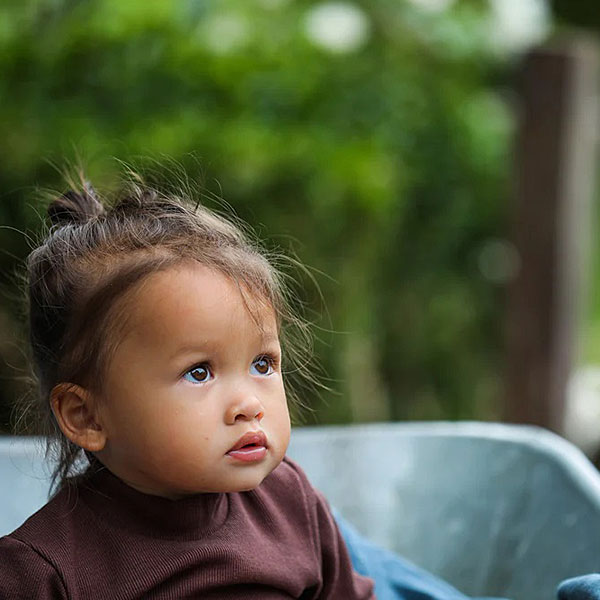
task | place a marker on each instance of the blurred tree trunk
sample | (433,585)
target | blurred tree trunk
(555,172)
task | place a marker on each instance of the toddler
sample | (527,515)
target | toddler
(157,331)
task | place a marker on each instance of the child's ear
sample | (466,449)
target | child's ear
(75,411)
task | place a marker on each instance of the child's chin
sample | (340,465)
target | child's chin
(246,486)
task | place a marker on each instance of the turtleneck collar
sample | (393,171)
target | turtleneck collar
(114,501)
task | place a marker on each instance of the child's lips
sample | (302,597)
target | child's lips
(251,447)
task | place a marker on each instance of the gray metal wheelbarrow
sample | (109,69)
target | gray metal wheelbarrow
(495,510)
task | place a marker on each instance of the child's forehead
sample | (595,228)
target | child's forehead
(193,300)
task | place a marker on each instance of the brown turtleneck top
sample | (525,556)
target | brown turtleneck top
(103,539)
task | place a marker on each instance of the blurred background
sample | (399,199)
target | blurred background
(381,142)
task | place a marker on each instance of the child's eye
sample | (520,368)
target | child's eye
(199,374)
(263,365)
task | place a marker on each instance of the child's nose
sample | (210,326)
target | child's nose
(249,408)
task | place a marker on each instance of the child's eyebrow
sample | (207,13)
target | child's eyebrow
(209,347)
(196,347)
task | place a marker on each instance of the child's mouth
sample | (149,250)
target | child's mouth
(251,447)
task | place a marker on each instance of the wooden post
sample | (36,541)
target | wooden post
(555,175)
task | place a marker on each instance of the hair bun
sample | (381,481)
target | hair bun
(75,206)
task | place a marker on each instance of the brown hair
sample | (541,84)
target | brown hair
(94,253)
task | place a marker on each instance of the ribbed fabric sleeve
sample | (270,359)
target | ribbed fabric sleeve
(26,575)
(104,539)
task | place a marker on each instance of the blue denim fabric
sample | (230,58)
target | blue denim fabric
(586,587)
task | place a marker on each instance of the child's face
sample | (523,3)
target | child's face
(192,376)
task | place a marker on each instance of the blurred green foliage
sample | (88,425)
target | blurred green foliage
(384,166)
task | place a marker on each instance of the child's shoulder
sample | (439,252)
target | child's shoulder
(25,573)
(36,548)
(51,526)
